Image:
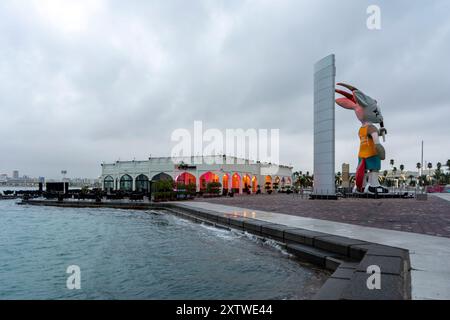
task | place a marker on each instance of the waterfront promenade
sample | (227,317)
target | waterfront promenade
(430,217)
(430,255)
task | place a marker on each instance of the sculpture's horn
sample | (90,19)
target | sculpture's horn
(345,94)
(349,87)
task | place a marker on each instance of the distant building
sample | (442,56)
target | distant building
(346,175)
(408,174)
(232,173)
(15,174)
(3,177)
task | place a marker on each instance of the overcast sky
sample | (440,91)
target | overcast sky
(83,82)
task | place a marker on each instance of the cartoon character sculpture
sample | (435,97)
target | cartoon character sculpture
(371,151)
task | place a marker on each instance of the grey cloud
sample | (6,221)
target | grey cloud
(118,88)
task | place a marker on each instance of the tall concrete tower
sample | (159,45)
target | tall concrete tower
(324,120)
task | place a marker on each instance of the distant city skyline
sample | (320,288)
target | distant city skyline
(27,176)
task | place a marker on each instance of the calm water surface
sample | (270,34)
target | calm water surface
(139,255)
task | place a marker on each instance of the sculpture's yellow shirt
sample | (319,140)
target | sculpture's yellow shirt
(367,146)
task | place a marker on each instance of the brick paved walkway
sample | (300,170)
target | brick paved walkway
(431,217)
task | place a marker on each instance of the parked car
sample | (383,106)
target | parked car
(435,189)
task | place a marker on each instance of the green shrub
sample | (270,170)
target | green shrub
(191,189)
(213,188)
(163,190)
(187,190)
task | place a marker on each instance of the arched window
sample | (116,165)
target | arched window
(207,178)
(276,184)
(126,183)
(268,183)
(108,183)
(142,183)
(254,184)
(225,181)
(162,176)
(288,182)
(246,182)
(236,182)
(186,178)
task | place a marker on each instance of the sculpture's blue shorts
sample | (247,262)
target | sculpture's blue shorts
(372,163)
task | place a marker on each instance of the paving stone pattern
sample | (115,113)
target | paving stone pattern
(431,217)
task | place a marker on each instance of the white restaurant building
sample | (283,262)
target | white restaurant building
(233,173)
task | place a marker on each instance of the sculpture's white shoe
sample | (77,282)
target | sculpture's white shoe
(375,190)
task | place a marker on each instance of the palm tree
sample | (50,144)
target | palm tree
(385,174)
(402,175)
(302,180)
(308,180)
(394,173)
(418,166)
(430,166)
(424,180)
(295,175)
(352,180)
(411,177)
(438,174)
(392,162)
(338,179)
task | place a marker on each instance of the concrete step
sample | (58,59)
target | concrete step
(315,256)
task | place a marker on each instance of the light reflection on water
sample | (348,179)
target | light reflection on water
(139,255)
